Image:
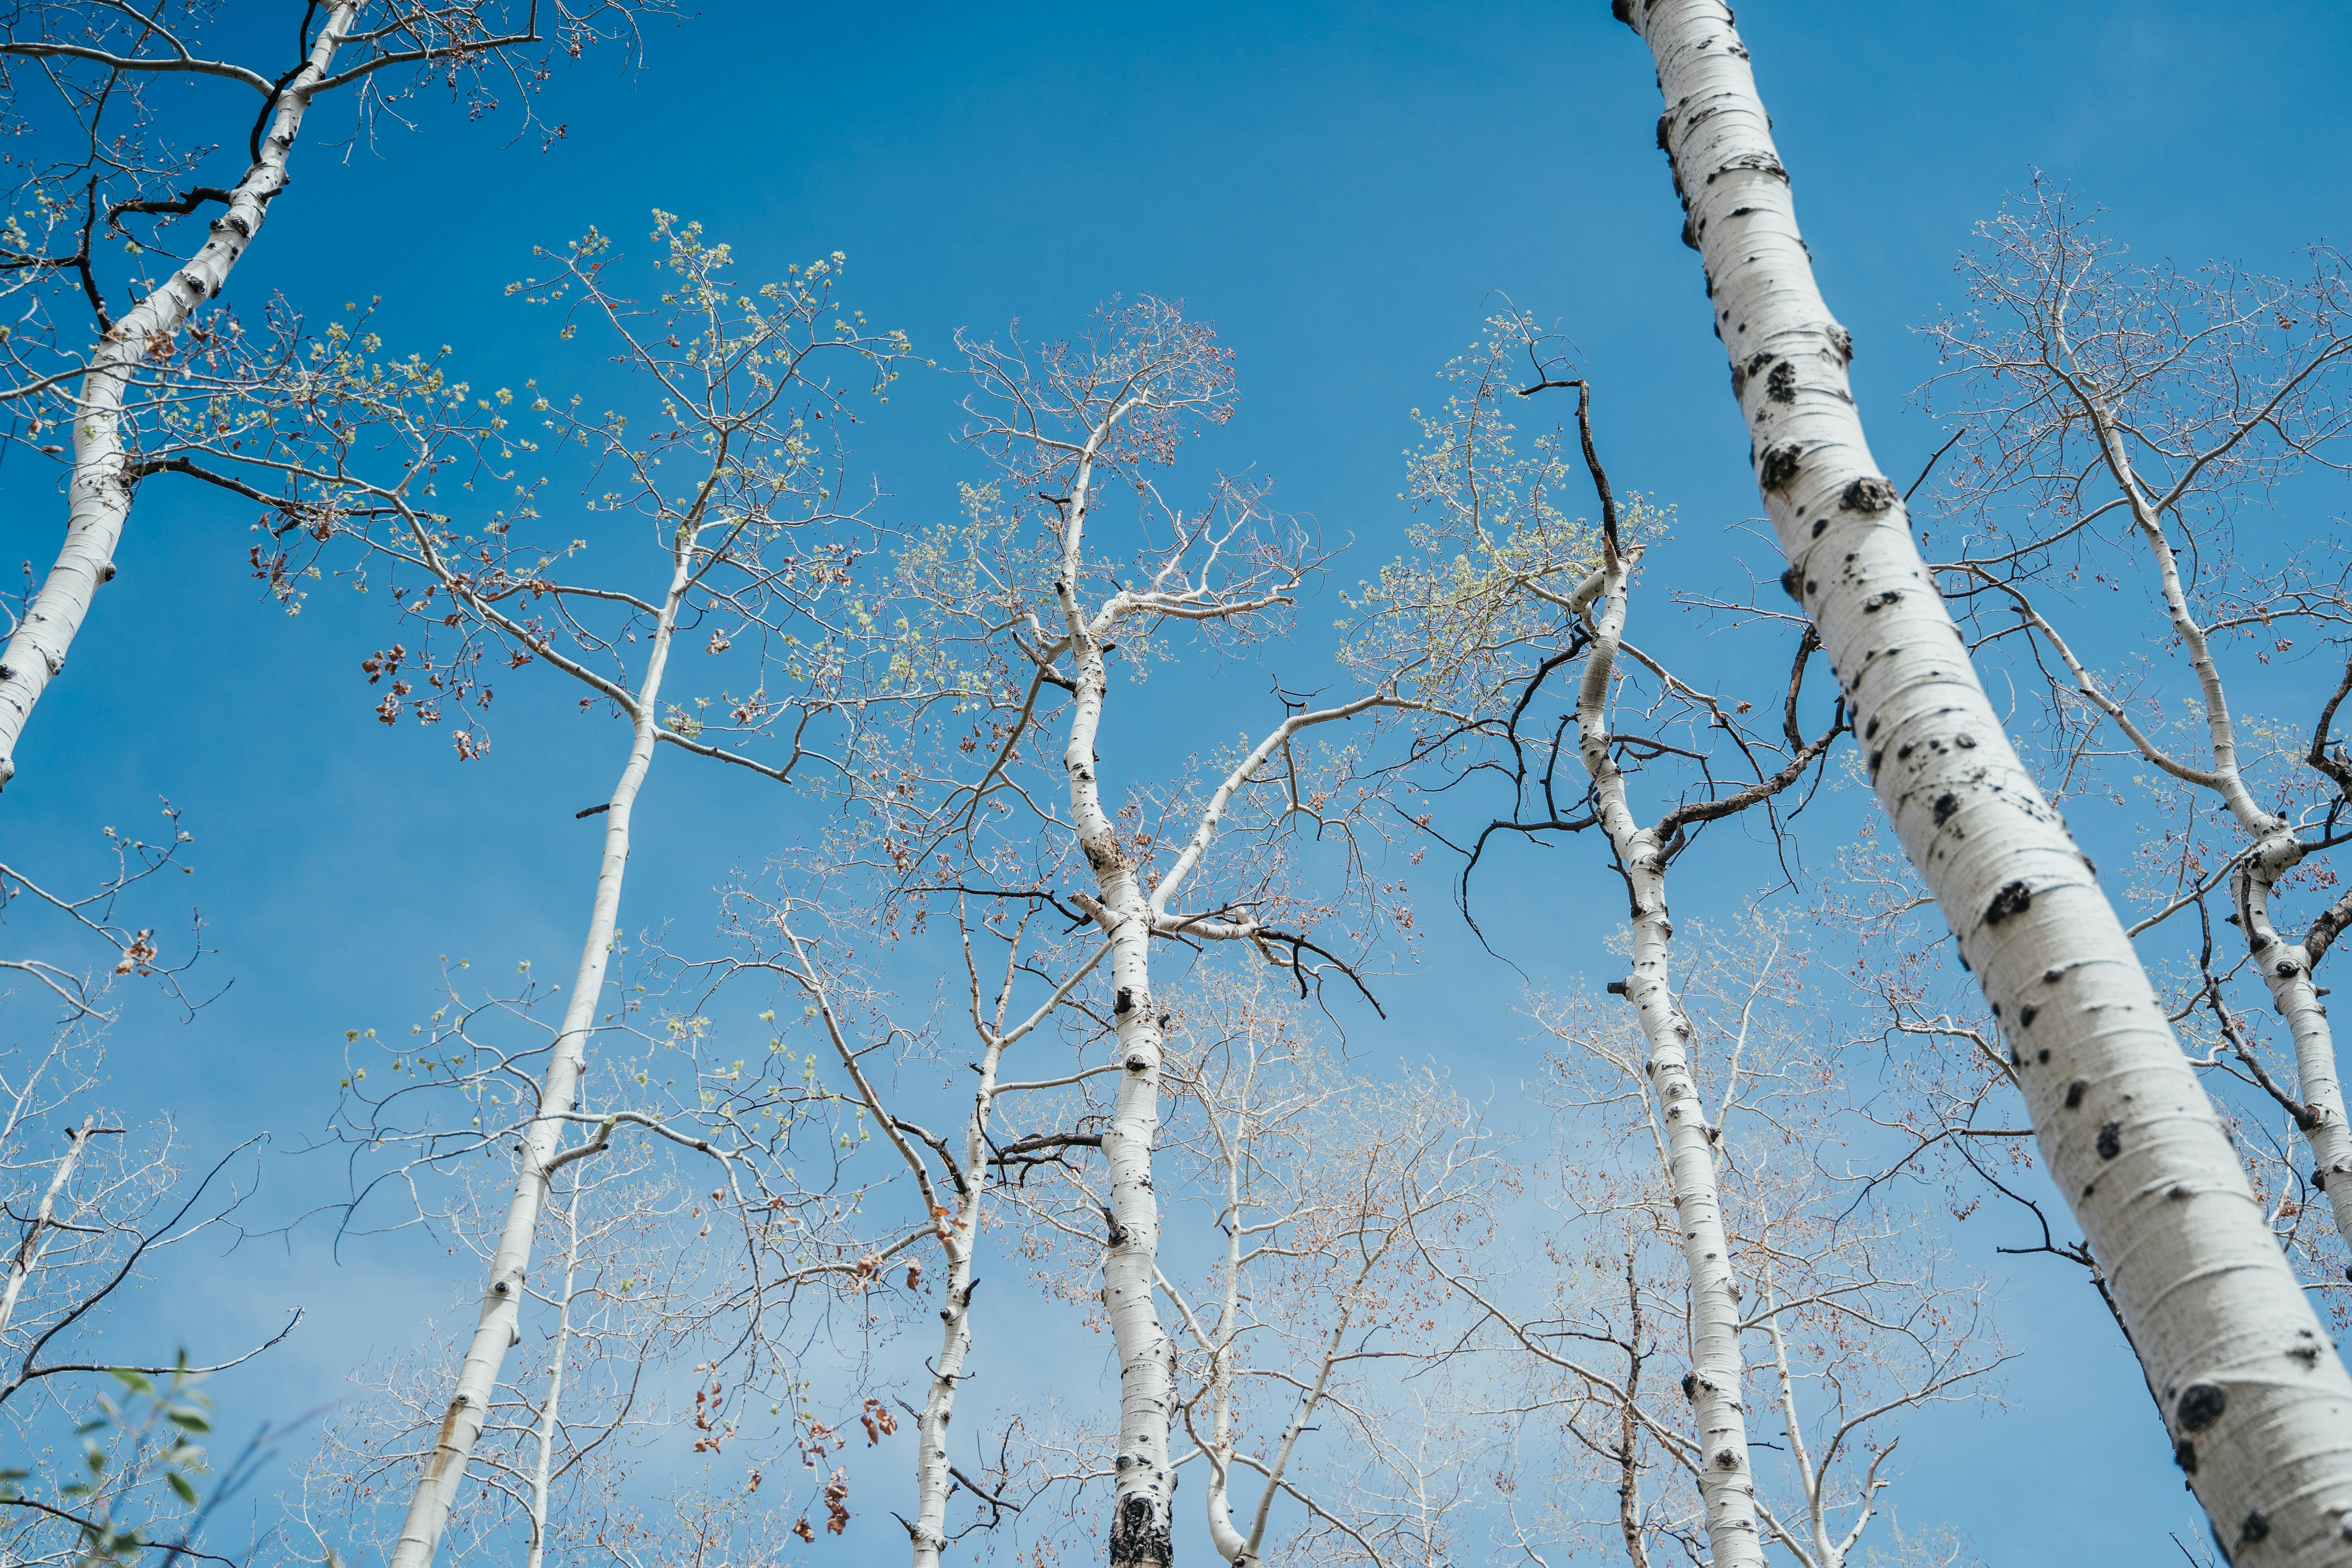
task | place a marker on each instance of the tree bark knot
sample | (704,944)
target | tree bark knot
(1869,494)
(2014,899)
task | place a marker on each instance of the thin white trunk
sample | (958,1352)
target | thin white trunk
(1139,1532)
(496,1331)
(1816,1520)
(29,1250)
(99,496)
(2257,1401)
(541,1473)
(1727,1485)
(2274,848)
(1231,1545)
(959,1235)
(2286,970)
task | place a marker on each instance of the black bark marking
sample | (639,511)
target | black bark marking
(1788,584)
(2111,1140)
(2075,1091)
(2253,1529)
(1139,1537)
(2184,1454)
(1761,163)
(2025,1016)
(1945,805)
(1780,466)
(1842,340)
(1868,494)
(2201,1405)
(1878,602)
(1126,1001)
(2013,900)
(1781,387)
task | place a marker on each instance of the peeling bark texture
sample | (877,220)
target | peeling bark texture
(1726,1484)
(98,499)
(497,1329)
(2258,1404)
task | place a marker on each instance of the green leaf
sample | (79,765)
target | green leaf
(187,1493)
(187,1420)
(130,1379)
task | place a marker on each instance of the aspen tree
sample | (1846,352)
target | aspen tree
(755,534)
(95,54)
(2258,1404)
(2156,402)
(1030,600)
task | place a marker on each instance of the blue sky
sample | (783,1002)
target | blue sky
(1343,189)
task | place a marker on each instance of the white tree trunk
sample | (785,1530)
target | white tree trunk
(2276,849)
(1229,1543)
(1140,1532)
(1727,1485)
(959,1235)
(29,1250)
(99,496)
(551,1414)
(2286,970)
(495,1329)
(2257,1401)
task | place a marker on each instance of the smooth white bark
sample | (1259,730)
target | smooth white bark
(496,1331)
(2256,1399)
(36,1240)
(1727,1485)
(99,500)
(550,1413)
(2275,849)
(1141,1532)
(934,1477)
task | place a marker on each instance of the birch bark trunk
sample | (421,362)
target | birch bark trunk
(497,1330)
(2274,850)
(36,1242)
(99,500)
(1230,1544)
(1139,1532)
(2259,1404)
(551,1414)
(958,1236)
(1725,1483)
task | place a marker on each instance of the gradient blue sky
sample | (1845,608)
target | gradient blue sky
(1341,189)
